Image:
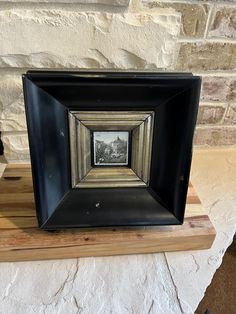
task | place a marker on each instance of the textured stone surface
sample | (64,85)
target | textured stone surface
(12,114)
(230,116)
(232,90)
(154,283)
(215,136)
(126,284)
(210,114)
(16,146)
(194,16)
(218,89)
(214,177)
(207,56)
(223,23)
(42,38)
(108,2)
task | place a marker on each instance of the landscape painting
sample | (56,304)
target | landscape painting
(111,148)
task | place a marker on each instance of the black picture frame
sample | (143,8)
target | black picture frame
(49,96)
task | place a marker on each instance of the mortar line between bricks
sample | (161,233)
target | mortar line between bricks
(217,73)
(97,7)
(199,2)
(22,132)
(205,147)
(80,7)
(215,126)
(206,40)
(18,70)
(74,69)
(64,6)
(213,103)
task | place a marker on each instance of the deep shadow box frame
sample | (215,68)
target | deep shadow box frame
(163,107)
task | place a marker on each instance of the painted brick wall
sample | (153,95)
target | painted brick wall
(208,48)
(197,36)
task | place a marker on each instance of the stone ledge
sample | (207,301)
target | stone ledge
(213,174)
(59,38)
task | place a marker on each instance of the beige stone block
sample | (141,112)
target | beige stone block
(215,136)
(218,88)
(223,23)
(16,146)
(214,88)
(232,90)
(230,116)
(12,113)
(194,16)
(210,114)
(207,56)
(72,39)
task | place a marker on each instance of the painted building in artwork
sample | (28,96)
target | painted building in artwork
(118,145)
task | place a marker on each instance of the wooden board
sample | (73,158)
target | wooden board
(21,240)
(110,177)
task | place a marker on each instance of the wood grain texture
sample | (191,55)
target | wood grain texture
(110,177)
(111,125)
(112,115)
(21,240)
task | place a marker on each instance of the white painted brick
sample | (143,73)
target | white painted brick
(12,113)
(59,38)
(16,147)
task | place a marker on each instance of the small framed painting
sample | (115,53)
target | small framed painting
(111,148)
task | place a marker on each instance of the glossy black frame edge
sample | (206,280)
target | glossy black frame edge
(50,95)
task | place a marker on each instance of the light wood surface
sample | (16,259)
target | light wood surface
(21,240)
(110,177)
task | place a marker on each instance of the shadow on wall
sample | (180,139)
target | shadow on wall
(2,158)
(1,146)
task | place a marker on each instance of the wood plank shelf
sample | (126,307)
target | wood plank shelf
(21,240)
